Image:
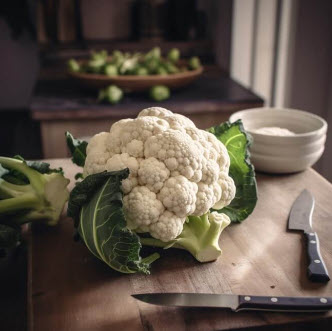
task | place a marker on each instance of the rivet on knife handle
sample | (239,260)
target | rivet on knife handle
(317,271)
(301,304)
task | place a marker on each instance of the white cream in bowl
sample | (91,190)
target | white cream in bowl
(284,140)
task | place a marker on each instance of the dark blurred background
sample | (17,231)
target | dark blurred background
(38,37)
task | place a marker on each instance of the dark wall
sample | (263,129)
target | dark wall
(19,65)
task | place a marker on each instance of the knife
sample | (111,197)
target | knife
(238,302)
(300,218)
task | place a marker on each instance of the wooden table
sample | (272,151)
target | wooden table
(69,289)
(60,105)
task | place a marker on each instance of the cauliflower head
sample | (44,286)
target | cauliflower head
(176,170)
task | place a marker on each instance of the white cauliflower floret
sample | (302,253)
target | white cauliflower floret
(179,122)
(168,227)
(94,163)
(123,161)
(97,143)
(175,170)
(207,196)
(177,150)
(155,111)
(114,137)
(153,174)
(139,129)
(97,154)
(219,152)
(179,195)
(228,190)
(210,172)
(128,184)
(141,207)
(176,121)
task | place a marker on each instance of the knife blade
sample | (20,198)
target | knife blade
(300,218)
(238,302)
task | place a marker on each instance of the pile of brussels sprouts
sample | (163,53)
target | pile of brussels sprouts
(140,64)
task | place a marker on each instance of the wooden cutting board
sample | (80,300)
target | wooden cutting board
(69,289)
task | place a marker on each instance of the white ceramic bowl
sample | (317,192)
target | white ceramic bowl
(284,154)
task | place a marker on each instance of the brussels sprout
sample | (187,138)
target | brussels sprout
(159,93)
(173,55)
(161,71)
(128,66)
(152,65)
(141,71)
(111,94)
(117,57)
(73,65)
(101,55)
(96,65)
(154,53)
(194,63)
(110,70)
(171,68)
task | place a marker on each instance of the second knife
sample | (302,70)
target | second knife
(300,218)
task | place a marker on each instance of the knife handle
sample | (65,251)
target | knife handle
(298,304)
(317,271)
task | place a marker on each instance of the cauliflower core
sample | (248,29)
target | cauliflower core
(176,170)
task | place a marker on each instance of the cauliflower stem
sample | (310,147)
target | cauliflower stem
(200,236)
(42,199)
(29,192)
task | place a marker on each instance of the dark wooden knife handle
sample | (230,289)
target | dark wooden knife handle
(300,304)
(317,271)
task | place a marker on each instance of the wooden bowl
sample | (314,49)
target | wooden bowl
(134,83)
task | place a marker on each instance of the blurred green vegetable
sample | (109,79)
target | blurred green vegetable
(173,55)
(101,55)
(97,62)
(161,71)
(95,66)
(73,65)
(111,70)
(154,53)
(171,68)
(194,63)
(159,93)
(129,65)
(137,63)
(152,65)
(141,71)
(111,94)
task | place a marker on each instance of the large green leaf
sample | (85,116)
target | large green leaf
(237,142)
(102,225)
(83,192)
(77,149)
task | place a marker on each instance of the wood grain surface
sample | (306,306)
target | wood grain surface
(69,289)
